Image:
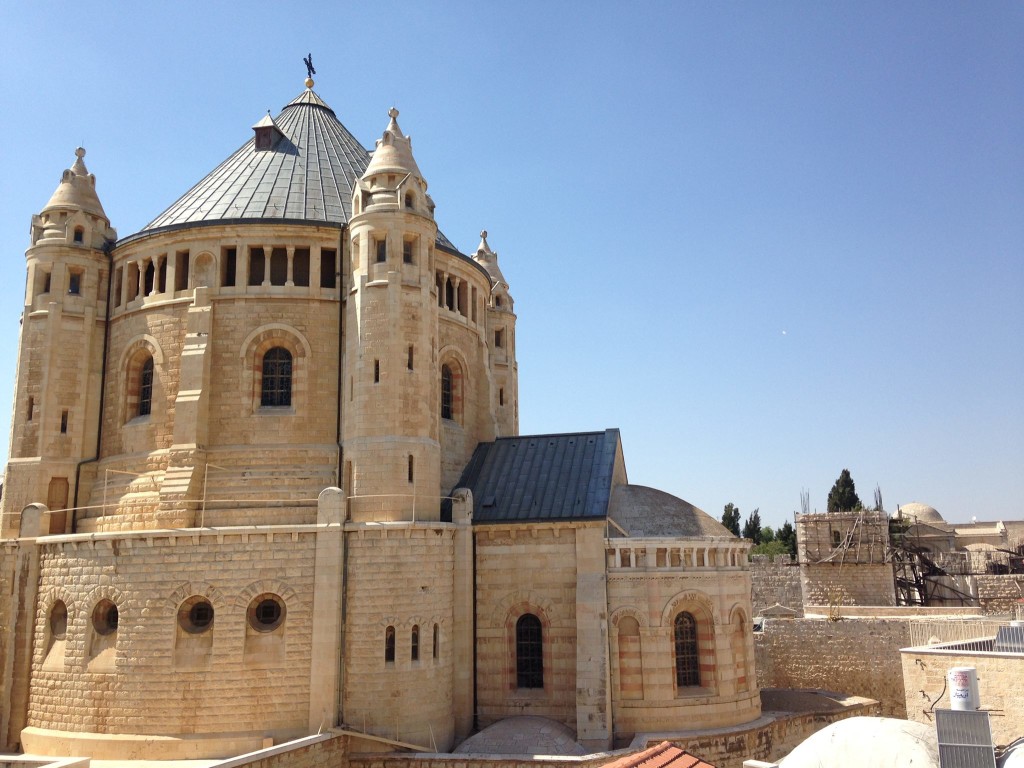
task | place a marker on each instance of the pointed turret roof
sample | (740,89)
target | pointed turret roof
(489,260)
(394,151)
(77,189)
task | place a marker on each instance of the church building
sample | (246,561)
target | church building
(266,479)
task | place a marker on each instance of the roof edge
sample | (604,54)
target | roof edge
(144,234)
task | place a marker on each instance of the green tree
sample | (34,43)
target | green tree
(767,535)
(731,518)
(752,527)
(769,548)
(843,496)
(787,535)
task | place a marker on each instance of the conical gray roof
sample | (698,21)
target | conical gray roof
(308,176)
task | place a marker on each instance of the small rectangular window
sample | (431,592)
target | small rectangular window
(376,371)
(229,266)
(407,252)
(411,467)
(79,234)
(181,264)
(64,422)
(31,407)
(382,251)
(409,364)
(499,338)
(161,278)
(46,282)
(501,396)
(75,283)
(328,278)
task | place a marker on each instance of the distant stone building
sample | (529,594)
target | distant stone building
(265,477)
(844,558)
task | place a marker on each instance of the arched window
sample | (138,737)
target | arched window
(276,389)
(436,640)
(447,392)
(529,652)
(415,644)
(389,645)
(146,388)
(687,658)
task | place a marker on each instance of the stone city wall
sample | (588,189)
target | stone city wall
(775,580)
(852,656)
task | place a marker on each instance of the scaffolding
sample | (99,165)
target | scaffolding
(926,578)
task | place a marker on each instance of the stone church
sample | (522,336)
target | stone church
(265,478)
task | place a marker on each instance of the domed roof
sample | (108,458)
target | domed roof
(878,741)
(644,511)
(921,513)
(308,175)
(525,735)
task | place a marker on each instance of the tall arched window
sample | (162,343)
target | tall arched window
(529,652)
(146,388)
(687,657)
(447,392)
(414,652)
(276,387)
(389,645)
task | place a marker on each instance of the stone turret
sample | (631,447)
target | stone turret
(501,338)
(391,341)
(57,392)
(399,621)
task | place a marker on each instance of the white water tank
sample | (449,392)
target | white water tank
(963,688)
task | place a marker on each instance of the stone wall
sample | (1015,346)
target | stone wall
(150,675)
(402,579)
(852,656)
(525,569)
(847,583)
(646,592)
(1001,594)
(775,580)
(999,685)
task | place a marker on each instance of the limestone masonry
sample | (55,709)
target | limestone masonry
(265,478)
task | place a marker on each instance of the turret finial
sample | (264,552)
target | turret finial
(392,113)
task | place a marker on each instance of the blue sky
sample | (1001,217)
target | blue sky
(766,240)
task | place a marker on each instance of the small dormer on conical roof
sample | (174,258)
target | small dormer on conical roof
(77,189)
(267,134)
(393,179)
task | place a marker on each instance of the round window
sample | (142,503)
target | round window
(266,613)
(59,620)
(104,617)
(195,615)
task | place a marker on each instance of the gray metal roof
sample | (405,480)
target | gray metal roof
(541,478)
(308,176)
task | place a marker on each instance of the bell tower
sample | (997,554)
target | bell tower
(60,352)
(390,430)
